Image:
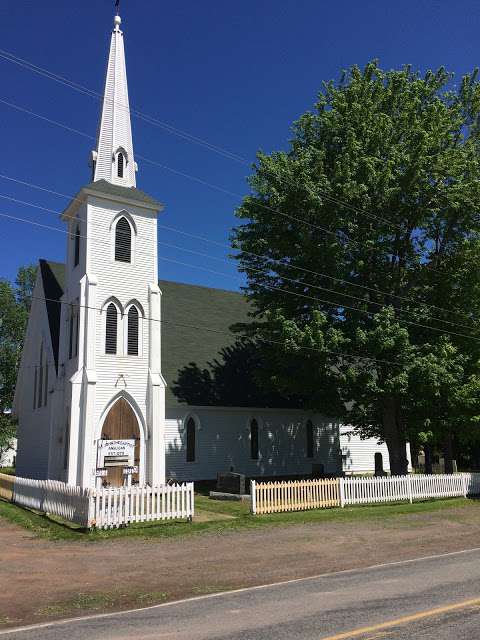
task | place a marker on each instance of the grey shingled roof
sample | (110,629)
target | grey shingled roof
(196,325)
(196,322)
(53,278)
(132,193)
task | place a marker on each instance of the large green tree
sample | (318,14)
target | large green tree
(15,301)
(361,247)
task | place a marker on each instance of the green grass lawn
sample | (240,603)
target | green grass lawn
(236,517)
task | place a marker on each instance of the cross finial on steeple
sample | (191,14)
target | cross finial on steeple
(117,7)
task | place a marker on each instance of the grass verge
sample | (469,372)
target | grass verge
(239,519)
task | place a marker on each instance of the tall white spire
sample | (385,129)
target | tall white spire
(113,158)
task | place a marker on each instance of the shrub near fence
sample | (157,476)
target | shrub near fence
(272,497)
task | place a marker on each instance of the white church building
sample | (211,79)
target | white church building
(115,384)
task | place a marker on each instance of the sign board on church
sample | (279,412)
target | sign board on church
(129,471)
(116,453)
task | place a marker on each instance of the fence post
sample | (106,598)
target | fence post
(91,497)
(342,492)
(253,497)
(409,487)
(191,495)
(464,484)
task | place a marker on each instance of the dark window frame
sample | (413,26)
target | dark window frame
(191,437)
(309,433)
(123,240)
(254,439)
(111,329)
(133,331)
(120,165)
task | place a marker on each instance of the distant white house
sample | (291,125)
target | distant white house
(114,383)
(7,459)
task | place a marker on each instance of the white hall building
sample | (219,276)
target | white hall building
(120,373)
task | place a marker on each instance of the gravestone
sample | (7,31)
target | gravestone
(231,483)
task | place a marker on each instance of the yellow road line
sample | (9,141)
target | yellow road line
(405,620)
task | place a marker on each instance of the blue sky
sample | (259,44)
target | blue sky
(233,74)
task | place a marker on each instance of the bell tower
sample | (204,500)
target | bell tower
(110,340)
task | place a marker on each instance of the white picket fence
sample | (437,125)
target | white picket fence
(272,497)
(105,508)
(51,496)
(113,507)
(297,495)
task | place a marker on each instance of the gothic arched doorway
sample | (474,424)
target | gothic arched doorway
(121,424)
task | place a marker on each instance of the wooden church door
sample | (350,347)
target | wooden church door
(121,424)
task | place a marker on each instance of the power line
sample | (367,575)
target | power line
(335,234)
(336,305)
(216,331)
(226,260)
(222,244)
(10,57)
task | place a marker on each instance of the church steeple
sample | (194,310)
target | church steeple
(113,158)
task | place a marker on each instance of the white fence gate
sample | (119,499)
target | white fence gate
(105,508)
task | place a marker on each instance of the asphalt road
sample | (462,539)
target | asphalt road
(432,598)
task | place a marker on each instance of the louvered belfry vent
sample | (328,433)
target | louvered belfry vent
(123,241)
(111,330)
(132,347)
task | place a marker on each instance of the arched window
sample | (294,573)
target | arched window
(191,440)
(132,333)
(111,324)
(74,330)
(120,164)
(379,464)
(123,241)
(310,440)
(40,384)
(254,439)
(76,246)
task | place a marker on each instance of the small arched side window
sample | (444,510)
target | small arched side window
(254,439)
(310,439)
(191,434)
(133,331)
(120,165)
(123,241)
(76,246)
(111,324)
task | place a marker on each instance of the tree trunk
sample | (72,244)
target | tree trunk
(427,449)
(448,453)
(395,437)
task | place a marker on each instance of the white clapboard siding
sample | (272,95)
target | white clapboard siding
(54,497)
(298,495)
(223,442)
(114,507)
